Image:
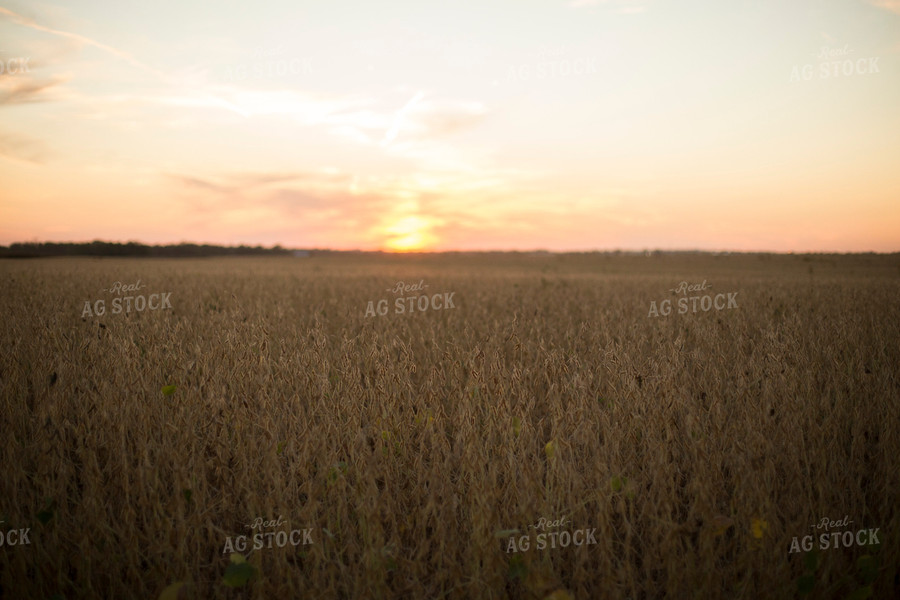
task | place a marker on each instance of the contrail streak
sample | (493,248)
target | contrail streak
(398,119)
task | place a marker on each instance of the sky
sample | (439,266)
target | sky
(569,125)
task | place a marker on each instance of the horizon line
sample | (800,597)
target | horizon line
(645,250)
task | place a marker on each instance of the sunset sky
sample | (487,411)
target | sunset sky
(558,125)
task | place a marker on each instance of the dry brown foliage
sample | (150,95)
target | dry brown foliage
(671,436)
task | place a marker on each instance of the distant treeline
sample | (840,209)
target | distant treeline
(98,248)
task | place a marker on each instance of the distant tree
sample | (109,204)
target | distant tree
(101,248)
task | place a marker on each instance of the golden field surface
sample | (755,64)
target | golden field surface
(694,447)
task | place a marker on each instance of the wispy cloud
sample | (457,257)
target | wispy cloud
(205,184)
(26,22)
(424,123)
(398,119)
(329,203)
(891,5)
(243,183)
(307,206)
(439,119)
(22,148)
(27,90)
(197,97)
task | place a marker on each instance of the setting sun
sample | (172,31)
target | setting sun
(410,234)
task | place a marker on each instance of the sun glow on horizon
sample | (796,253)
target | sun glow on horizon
(410,234)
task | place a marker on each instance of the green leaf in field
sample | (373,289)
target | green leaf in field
(617,483)
(425,419)
(805,584)
(239,572)
(173,591)
(187,495)
(505,533)
(811,561)
(279,448)
(516,426)
(517,567)
(47,512)
(758,527)
(168,390)
(337,469)
(550,449)
(861,593)
(387,555)
(868,568)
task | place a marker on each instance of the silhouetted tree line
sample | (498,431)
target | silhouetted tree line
(98,248)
